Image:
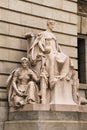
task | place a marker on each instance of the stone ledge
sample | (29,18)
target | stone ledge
(32,107)
(51,107)
(48,115)
(60,107)
(45,125)
(49,112)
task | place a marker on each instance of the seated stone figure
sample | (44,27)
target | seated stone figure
(22,86)
(43,49)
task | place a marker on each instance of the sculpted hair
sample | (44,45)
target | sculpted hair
(50,21)
(24,58)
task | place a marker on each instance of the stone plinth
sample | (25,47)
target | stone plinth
(62,93)
(64,117)
(32,107)
(45,125)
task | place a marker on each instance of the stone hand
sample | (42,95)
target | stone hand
(46,51)
(53,82)
(29,35)
(21,94)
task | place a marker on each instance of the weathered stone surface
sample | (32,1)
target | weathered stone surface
(69,6)
(48,120)
(46,125)
(19,31)
(10,16)
(12,42)
(75,62)
(79,24)
(32,107)
(3,79)
(3,96)
(7,66)
(20,6)
(11,55)
(52,112)
(3,113)
(3,104)
(1,125)
(43,115)
(4,3)
(64,107)
(84,25)
(21,125)
(51,3)
(38,22)
(69,51)
(4,28)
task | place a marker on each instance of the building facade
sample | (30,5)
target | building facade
(18,17)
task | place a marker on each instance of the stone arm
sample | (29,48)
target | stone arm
(14,84)
(41,42)
(29,35)
(34,76)
(59,49)
(41,47)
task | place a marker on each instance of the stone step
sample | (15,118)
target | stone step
(45,125)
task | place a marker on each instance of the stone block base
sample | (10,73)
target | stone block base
(45,125)
(59,117)
(32,107)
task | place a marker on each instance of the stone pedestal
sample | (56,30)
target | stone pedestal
(62,93)
(70,118)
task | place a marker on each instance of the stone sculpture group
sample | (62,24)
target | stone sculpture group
(46,76)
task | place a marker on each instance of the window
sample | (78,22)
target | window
(81,60)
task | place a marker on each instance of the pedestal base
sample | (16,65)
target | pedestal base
(62,93)
(46,125)
(59,117)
